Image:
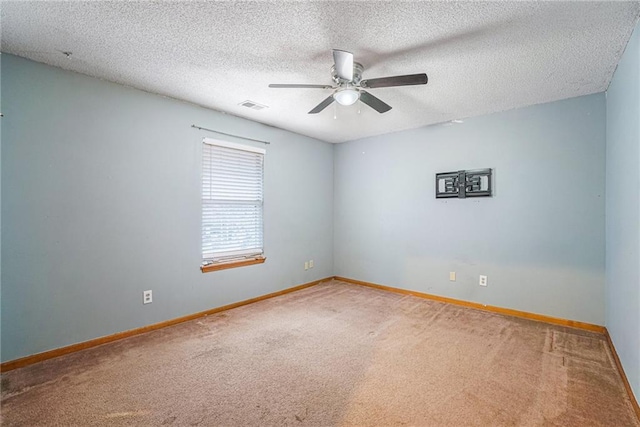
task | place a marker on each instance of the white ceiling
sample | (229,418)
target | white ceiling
(480,57)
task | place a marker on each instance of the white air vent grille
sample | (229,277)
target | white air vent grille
(253,105)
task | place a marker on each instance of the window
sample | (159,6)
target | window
(232,204)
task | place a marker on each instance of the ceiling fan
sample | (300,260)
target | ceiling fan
(349,85)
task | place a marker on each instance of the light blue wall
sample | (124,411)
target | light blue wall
(0,201)
(540,239)
(623,211)
(101,200)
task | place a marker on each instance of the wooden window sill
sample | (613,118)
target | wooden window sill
(231,264)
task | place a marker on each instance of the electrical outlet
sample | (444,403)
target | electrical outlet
(483,280)
(311,263)
(147,297)
(306,265)
(452,276)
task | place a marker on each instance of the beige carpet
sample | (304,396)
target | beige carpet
(333,354)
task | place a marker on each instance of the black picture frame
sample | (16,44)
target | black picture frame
(464,183)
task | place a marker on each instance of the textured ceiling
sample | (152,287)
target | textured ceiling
(480,57)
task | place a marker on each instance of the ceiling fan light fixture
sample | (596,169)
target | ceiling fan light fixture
(346,96)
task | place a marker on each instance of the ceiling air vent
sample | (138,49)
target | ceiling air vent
(253,105)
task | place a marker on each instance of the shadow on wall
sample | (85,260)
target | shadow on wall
(530,288)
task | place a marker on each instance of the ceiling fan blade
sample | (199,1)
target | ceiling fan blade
(324,104)
(297,86)
(408,80)
(344,64)
(373,102)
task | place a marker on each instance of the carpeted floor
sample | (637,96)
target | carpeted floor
(333,354)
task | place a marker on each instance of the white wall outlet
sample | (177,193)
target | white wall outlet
(306,265)
(147,297)
(310,263)
(483,280)
(452,276)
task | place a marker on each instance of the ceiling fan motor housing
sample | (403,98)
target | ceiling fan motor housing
(357,75)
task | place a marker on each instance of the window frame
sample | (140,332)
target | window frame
(229,261)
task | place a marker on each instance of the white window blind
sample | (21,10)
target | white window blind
(232,200)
